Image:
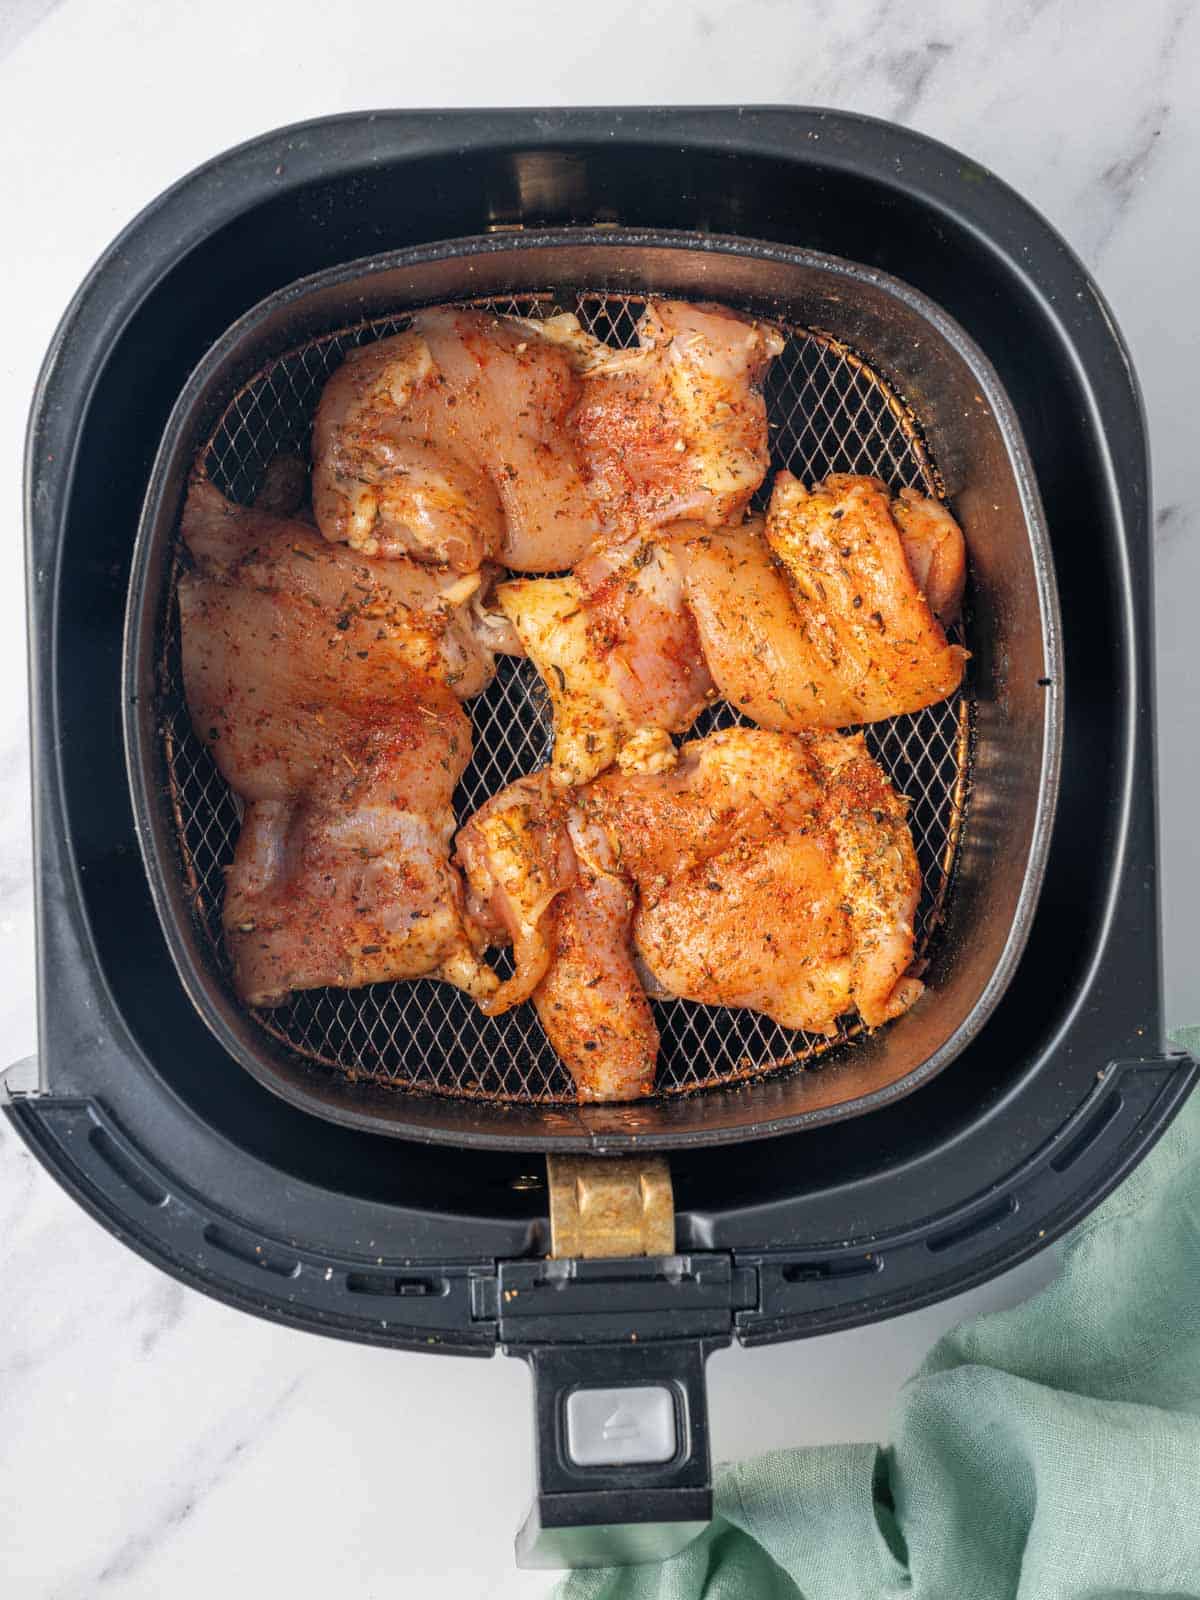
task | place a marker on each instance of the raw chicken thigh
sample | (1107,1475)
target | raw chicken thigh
(868,644)
(766,871)
(321,683)
(542,877)
(677,428)
(450,443)
(817,619)
(591,1001)
(619,653)
(516,856)
(773,873)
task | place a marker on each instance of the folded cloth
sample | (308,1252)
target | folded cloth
(1048,1452)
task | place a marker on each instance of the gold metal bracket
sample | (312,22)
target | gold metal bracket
(603,1206)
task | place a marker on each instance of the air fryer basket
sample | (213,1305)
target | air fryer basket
(828,412)
(874,379)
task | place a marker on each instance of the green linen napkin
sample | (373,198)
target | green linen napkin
(1048,1452)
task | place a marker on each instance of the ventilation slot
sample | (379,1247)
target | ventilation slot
(831,1271)
(979,1223)
(1095,1125)
(382,1283)
(126,1168)
(255,1255)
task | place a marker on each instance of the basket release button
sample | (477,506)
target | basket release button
(621,1427)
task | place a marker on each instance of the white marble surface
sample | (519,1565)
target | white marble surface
(154,1444)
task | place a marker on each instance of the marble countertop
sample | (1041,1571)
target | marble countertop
(153,1443)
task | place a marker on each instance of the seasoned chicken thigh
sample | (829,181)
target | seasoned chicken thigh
(868,629)
(772,873)
(544,879)
(590,1001)
(678,427)
(817,619)
(320,682)
(935,552)
(878,876)
(450,442)
(618,651)
(516,856)
(767,871)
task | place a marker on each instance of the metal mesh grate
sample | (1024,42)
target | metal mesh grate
(828,412)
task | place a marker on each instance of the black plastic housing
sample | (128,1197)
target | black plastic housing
(176,1149)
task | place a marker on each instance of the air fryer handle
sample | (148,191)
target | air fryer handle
(623,1467)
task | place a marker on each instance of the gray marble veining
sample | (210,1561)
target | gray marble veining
(221,1452)
(19,17)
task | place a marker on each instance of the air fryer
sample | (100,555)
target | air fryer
(768,1191)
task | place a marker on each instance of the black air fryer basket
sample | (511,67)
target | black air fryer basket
(939,334)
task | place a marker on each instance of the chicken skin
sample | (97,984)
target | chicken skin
(935,552)
(544,879)
(875,646)
(450,443)
(819,620)
(620,656)
(767,871)
(772,873)
(590,1001)
(677,428)
(516,856)
(326,686)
